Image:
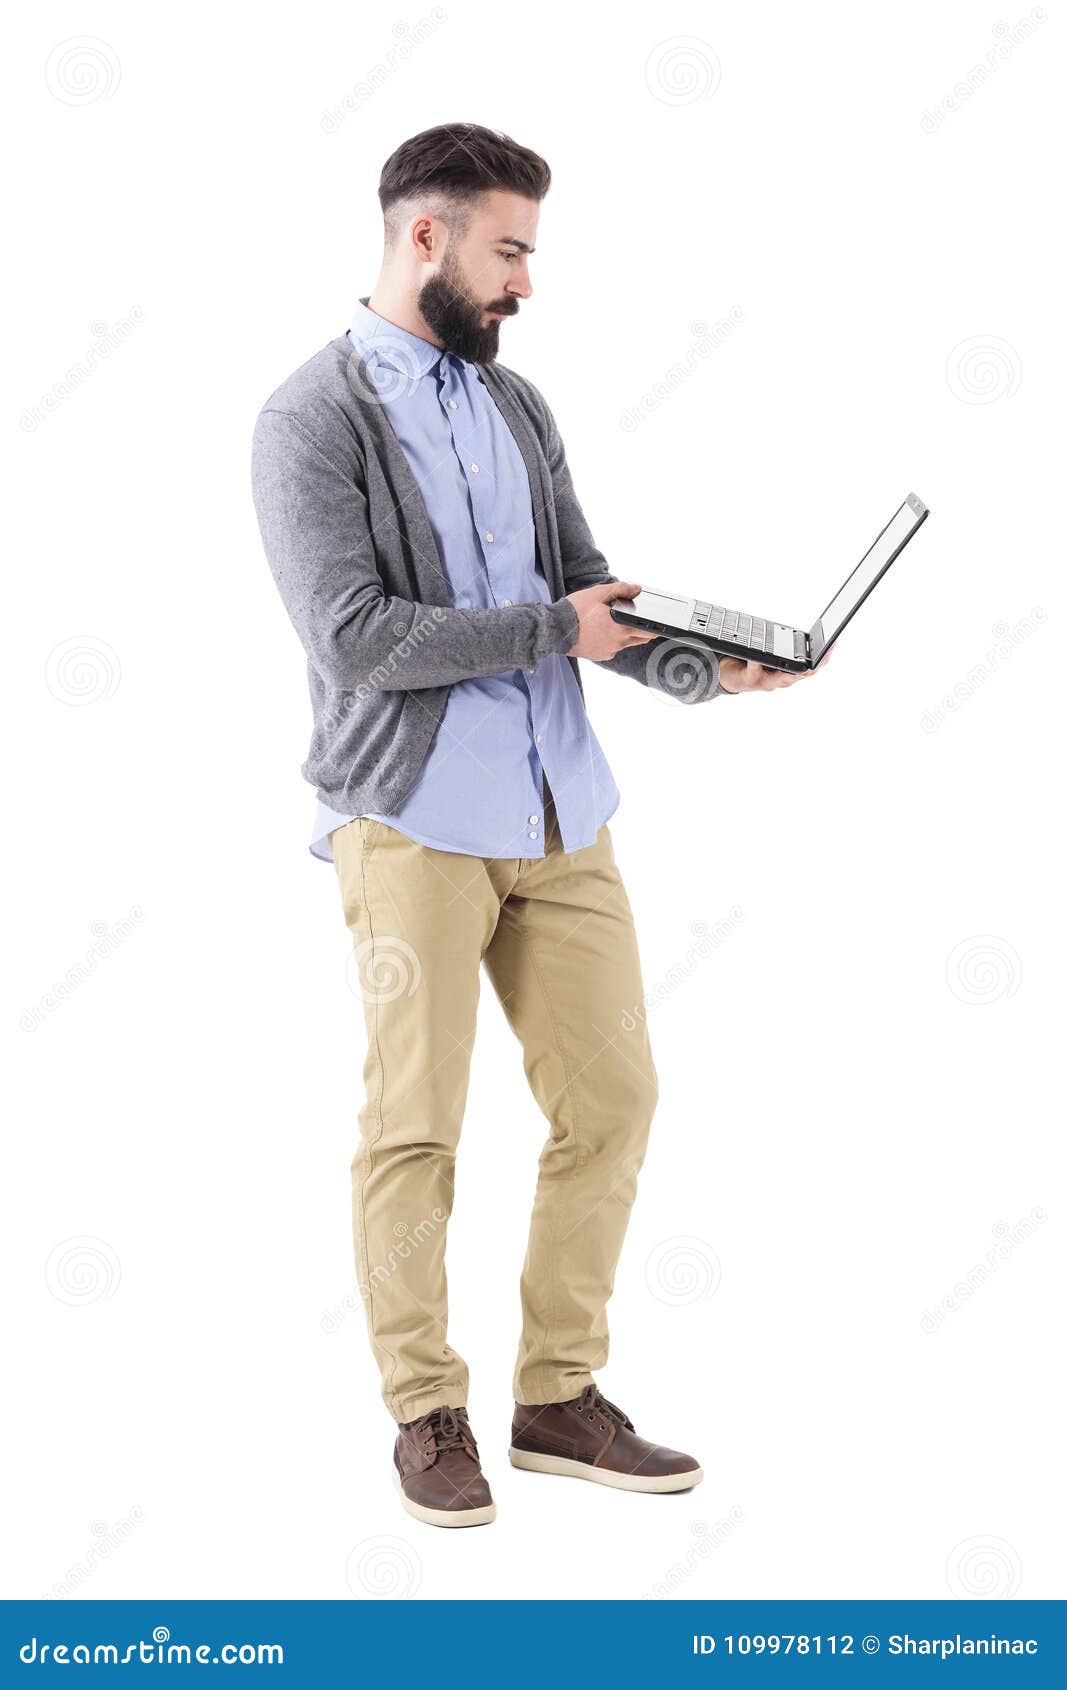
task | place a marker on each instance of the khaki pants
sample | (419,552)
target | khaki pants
(556,935)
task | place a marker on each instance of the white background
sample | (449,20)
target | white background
(860,1084)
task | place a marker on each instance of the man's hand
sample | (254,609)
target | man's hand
(599,635)
(735,676)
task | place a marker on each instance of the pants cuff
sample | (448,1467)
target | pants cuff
(552,1387)
(416,1408)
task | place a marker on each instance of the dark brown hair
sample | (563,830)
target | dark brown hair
(456,162)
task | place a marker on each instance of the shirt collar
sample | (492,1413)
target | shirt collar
(401,351)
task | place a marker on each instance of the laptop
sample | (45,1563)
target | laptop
(734,633)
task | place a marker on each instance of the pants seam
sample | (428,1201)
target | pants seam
(553,1300)
(393,1360)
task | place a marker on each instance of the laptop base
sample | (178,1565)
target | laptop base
(722,648)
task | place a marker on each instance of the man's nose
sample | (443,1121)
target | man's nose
(521,286)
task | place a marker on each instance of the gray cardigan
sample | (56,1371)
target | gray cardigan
(350,546)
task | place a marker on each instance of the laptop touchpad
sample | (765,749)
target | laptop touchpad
(664,607)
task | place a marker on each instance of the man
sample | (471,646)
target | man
(419,519)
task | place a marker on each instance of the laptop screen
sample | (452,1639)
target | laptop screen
(867,573)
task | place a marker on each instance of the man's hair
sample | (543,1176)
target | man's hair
(445,169)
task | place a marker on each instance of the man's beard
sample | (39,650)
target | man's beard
(456,318)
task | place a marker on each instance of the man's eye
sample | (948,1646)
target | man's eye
(510,256)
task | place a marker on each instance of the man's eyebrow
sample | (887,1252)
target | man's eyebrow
(513,240)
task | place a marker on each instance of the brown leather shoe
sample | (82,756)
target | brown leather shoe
(438,1471)
(589,1438)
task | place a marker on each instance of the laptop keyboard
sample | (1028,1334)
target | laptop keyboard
(740,628)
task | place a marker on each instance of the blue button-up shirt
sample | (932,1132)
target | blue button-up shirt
(481,786)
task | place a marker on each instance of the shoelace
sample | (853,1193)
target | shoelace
(591,1403)
(449,1431)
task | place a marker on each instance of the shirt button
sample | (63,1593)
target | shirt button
(537,739)
(507,601)
(474,469)
(532,834)
(533,818)
(452,404)
(489,537)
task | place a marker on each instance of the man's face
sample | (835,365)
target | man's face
(482,277)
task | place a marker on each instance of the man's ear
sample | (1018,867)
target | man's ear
(426,235)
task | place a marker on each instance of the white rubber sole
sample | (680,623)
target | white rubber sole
(658,1485)
(450,1517)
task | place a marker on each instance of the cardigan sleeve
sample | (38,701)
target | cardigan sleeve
(319,542)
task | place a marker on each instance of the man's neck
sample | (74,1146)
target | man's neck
(401,310)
